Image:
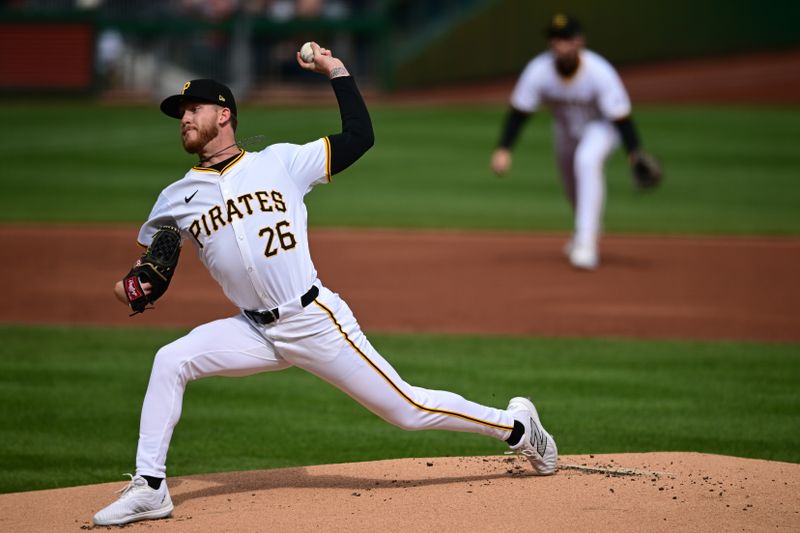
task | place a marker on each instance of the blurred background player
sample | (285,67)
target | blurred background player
(591,111)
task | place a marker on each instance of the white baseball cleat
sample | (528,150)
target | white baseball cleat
(568,246)
(137,502)
(584,257)
(537,444)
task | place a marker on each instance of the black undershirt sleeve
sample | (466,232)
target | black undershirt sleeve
(627,131)
(511,128)
(357,136)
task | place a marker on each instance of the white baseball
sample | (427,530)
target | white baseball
(307,53)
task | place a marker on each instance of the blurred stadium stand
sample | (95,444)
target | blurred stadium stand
(147,48)
(151,47)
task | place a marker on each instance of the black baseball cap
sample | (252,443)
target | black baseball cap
(563,27)
(210,91)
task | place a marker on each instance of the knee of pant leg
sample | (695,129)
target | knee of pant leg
(170,361)
(405,424)
(587,165)
(406,418)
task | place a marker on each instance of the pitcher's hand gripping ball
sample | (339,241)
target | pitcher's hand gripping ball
(647,172)
(155,267)
(307,53)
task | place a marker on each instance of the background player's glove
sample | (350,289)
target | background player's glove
(155,267)
(647,173)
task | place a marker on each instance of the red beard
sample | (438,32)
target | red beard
(205,134)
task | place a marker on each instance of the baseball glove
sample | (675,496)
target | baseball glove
(647,172)
(155,267)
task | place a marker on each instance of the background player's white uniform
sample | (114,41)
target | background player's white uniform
(248,224)
(583,106)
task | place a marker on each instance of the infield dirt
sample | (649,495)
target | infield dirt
(447,282)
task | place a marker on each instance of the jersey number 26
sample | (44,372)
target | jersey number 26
(285,238)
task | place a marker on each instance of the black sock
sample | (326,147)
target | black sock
(153,482)
(516,434)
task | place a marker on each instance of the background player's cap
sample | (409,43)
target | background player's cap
(563,27)
(210,91)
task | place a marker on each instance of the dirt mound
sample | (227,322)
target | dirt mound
(633,492)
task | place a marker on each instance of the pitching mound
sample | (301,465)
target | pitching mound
(633,492)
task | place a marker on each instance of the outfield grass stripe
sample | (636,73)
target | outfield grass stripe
(729,170)
(72,398)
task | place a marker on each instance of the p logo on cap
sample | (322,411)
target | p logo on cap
(562,26)
(200,90)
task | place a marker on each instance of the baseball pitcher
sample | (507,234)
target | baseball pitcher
(244,213)
(591,112)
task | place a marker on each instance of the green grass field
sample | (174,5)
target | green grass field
(729,170)
(71,396)
(72,404)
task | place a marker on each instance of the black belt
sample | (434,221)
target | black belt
(268,317)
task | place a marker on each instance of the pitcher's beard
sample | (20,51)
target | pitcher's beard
(205,134)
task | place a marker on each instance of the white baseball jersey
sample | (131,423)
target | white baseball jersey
(249,225)
(249,222)
(594,92)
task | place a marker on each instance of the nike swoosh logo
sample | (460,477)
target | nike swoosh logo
(188,199)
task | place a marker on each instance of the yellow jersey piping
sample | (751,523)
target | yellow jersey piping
(226,167)
(327,158)
(397,389)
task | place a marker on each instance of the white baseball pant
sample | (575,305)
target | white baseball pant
(581,162)
(323,339)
